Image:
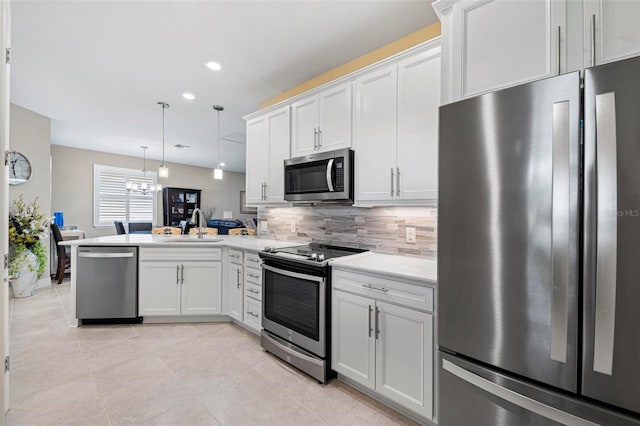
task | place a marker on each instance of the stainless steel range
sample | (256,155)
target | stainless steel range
(295,305)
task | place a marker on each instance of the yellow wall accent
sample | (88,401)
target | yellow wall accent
(397,46)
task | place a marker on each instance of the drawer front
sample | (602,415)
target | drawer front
(252,260)
(253,313)
(235,256)
(253,290)
(180,253)
(253,276)
(387,290)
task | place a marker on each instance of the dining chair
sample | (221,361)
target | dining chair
(64,259)
(166,230)
(119,227)
(140,227)
(209,231)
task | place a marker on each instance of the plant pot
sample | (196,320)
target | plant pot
(24,282)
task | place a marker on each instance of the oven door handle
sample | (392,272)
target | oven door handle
(329,180)
(293,274)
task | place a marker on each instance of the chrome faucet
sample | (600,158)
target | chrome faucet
(201,230)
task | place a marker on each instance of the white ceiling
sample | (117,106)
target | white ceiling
(98,68)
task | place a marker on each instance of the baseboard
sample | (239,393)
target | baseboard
(188,318)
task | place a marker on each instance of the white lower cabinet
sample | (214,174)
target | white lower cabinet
(383,346)
(253,291)
(178,286)
(233,289)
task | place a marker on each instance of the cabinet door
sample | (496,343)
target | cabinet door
(159,289)
(404,357)
(334,119)
(279,148)
(234,291)
(418,102)
(616,33)
(201,288)
(253,313)
(353,337)
(257,152)
(304,123)
(500,43)
(375,134)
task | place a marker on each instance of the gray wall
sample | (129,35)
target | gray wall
(72,183)
(30,134)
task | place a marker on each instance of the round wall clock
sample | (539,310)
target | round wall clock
(19,168)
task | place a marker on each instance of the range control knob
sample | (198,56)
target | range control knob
(314,256)
(270,249)
(320,257)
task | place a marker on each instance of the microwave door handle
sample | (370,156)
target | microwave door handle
(329,180)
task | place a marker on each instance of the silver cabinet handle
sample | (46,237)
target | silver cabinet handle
(315,138)
(177,274)
(514,398)
(377,322)
(397,181)
(253,291)
(392,181)
(559,48)
(254,275)
(181,274)
(253,260)
(593,40)
(329,180)
(253,314)
(237,278)
(265,191)
(370,312)
(104,255)
(235,256)
(319,138)
(370,287)
(560,225)
(606,232)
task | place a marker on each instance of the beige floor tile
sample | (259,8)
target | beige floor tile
(162,374)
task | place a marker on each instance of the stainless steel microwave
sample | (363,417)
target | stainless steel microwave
(326,176)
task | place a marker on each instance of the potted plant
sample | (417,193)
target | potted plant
(27,254)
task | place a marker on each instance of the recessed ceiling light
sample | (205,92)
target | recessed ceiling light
(181,146)
(189,96)
(214,66)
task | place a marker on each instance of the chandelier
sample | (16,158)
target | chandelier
(142,187)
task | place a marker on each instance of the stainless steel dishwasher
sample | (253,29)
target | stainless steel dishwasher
(107,283)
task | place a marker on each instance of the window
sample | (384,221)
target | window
(112,201)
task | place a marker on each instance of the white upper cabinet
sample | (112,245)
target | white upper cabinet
(396,131)
(491,44)
(611,30)
(322,122)
(268,143)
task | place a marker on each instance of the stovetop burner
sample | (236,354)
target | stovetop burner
(314,252)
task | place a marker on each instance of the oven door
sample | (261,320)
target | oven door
(294,308)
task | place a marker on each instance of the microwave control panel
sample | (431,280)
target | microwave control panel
(339,180)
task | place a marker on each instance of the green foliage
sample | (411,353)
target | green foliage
(27,226)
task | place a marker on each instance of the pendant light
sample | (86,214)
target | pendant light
(142,187)
(163,171)
(217,172)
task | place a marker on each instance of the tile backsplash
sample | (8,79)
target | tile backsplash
(382,229)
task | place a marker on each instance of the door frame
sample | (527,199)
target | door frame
(5,33)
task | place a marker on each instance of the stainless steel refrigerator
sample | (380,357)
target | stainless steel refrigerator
(539,253)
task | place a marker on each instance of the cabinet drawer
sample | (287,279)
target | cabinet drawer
(252,260)
(180,253)
(235,256)
(253,290)
(253,276)
(253,313)
(388,290)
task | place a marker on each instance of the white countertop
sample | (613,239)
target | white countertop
(394,266)
(242,242)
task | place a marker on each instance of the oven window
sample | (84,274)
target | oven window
(307,178)
(293,303)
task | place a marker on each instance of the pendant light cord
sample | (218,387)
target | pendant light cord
(218,108)
(164,106)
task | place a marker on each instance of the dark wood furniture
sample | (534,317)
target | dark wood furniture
(64,259)
(178,204)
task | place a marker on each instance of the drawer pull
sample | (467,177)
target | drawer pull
(253,291)
(370,287)
(253,260)
(254,275)
(253,314)
(235,256)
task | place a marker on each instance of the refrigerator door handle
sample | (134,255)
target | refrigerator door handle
(560,225)
(606,233)
(515,398)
